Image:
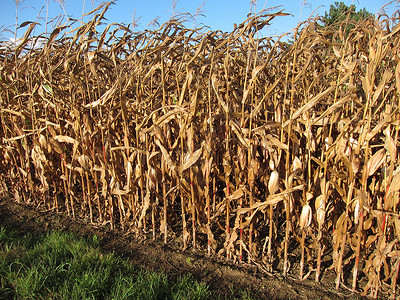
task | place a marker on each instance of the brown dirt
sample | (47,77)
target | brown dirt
(221,275)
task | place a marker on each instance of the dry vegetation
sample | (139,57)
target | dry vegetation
(284,156)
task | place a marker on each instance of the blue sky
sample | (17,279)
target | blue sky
(218,14)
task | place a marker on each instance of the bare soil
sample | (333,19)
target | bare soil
(221,275)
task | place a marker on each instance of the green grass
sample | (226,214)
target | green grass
(60,265)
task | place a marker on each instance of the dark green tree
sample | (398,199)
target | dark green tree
(339,12)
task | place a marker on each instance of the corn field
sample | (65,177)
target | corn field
(275,154)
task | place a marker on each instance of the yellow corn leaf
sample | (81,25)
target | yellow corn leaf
(375,161)
(390,145)
(192,159)
(239,134)
(395,184)
(397,72)
(171,164)
(236,194)
(385,78)
(65,139)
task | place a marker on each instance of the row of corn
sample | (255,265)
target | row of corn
(283,155)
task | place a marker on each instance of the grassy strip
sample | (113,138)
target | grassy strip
(59,265)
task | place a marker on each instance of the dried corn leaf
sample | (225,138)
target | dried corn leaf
(236,194)
(395,184)
(390,145)
(375,162)
(191,160)
(65,139)
(171,164)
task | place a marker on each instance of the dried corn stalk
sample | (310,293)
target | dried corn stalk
(221,133)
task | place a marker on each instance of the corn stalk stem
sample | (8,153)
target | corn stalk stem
(303,237)
(318,271)
(241,230)
(121,211)
(270,232)
(207,193)
(394,277)
(193,208)
(164,187)
(251,223)
(89,197)
(357,258)
(286,241)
